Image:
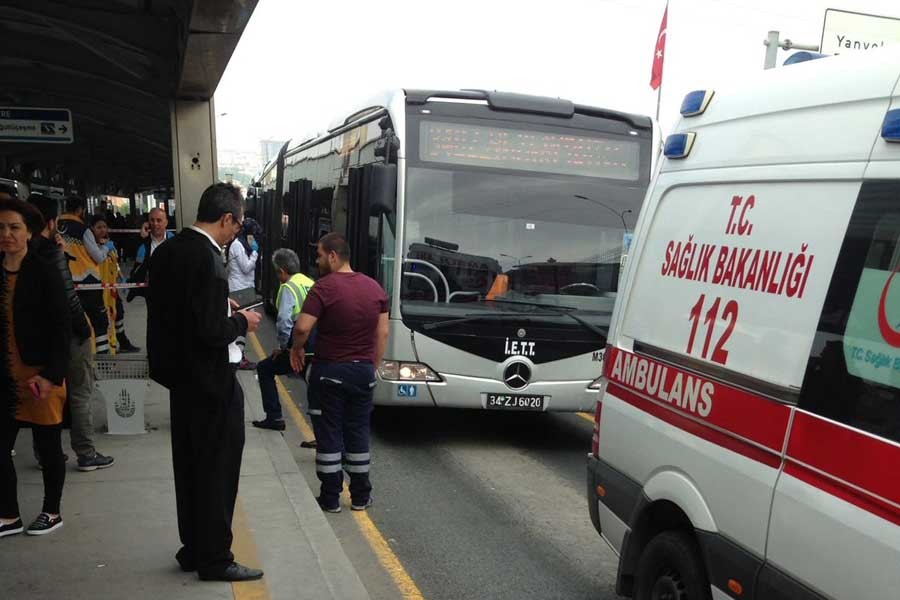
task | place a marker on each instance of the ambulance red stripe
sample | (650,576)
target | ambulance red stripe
(838,460)
(694,427)
(737,411)
(849,456)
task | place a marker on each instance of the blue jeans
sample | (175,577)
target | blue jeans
(266,371)
(342,393)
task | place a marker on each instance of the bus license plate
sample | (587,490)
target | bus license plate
(514,402)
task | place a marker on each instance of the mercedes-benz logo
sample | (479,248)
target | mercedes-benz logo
(521,333)
(517,375)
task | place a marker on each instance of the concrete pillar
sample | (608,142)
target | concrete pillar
(193,155)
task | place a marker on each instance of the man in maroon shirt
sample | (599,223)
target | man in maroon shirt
(350,311)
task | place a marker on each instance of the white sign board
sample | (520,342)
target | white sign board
(846,31)
(36,125)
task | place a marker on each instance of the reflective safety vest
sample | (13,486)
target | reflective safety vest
(298,285)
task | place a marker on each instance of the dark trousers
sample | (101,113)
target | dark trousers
(207,444)
(92,301)
(343,392)
(266,371)
(49,444)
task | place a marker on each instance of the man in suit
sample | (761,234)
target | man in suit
(190,341)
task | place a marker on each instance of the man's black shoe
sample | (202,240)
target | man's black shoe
(185,560)
(312,444)
(125,345)
(270,424)
(233,572)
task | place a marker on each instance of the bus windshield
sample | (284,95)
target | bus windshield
(483,233)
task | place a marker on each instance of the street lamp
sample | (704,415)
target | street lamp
(621,215)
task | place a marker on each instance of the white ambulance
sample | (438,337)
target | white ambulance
(747,436)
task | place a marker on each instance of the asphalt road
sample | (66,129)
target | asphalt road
(476,504)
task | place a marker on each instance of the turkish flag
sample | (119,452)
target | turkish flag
(659,53)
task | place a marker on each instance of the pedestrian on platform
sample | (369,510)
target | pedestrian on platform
(350,313)
(77,236)
(79,372)
(190,341)
(153,234)
(104,252)
(291,294)
(35,328)
(243,253)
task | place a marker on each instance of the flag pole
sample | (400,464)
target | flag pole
(658,99)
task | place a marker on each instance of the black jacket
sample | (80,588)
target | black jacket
(42,323)
(50,253)
(188,331)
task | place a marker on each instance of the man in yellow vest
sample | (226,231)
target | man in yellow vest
(291,294)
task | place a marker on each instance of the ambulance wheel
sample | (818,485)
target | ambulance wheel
(670,569)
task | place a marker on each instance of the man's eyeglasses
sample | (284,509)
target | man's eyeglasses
(236,221)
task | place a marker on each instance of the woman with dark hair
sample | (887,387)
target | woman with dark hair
(34,353)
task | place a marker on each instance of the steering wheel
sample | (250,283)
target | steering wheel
(573,289)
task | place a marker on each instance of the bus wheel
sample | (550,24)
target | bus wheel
(670,569)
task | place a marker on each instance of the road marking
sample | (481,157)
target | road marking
(586,417)
(391,563)
(246,553)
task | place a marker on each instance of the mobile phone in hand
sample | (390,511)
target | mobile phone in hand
(35,390)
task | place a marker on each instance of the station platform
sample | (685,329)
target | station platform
(120,531)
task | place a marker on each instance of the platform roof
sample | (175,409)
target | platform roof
(117,65)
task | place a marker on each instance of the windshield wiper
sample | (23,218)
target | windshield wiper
(568,311)
(521,317)
(512,316)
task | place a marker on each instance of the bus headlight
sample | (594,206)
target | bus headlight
(392,370)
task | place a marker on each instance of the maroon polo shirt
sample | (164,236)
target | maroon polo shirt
(347,306)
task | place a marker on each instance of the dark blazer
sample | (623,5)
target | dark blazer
(49,252)
(42,323)
(188,331)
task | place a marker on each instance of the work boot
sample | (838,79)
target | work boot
(125,345)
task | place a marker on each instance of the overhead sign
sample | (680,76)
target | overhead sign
(846,31)
(36,125)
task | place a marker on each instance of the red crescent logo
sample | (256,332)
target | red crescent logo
(890,335)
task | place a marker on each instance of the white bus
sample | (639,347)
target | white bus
(498,224)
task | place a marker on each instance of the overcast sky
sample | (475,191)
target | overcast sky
(299,64)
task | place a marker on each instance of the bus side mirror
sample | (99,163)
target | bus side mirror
(382,189)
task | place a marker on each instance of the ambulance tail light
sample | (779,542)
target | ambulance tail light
(695,103)
(890,129)
(595,439)
(392,370)
(679,145)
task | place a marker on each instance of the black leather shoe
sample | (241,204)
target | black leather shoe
(270,424)
(185,560)
(233,572)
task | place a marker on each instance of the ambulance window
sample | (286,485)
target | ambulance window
(853,374)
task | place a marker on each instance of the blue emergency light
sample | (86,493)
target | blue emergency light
(890,129)
(803,56)
(678,145)
(695,103)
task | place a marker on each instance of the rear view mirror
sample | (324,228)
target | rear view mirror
(382,189)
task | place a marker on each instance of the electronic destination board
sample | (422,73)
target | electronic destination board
(520,149)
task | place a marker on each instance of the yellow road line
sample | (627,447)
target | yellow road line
(586,417)
(391,563)
(245,552)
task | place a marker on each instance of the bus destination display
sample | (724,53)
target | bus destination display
(519,149)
